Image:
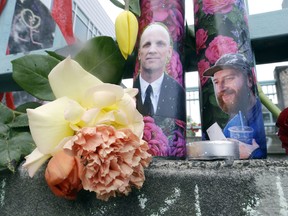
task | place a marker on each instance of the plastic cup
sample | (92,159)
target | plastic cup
(242,133)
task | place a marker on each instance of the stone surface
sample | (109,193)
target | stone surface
(255,187)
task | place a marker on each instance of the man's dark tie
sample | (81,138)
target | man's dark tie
(148,106)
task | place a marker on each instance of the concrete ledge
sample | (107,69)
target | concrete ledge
(255,187)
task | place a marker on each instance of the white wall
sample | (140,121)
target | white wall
(95,12)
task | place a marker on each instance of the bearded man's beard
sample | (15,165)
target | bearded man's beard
(240,102)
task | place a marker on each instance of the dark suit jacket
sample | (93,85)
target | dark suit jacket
(172,99)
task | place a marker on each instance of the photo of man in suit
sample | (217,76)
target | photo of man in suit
(161,99)
(159,94)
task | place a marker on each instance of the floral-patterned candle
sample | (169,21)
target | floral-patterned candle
(159,76)
(228,91)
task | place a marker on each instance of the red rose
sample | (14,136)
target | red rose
(217,6)
(201,37)
(219,46)
(282,124)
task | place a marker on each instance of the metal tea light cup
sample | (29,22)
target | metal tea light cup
(210,150)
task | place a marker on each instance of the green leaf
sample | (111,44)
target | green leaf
(6,115)
(102,58)
(55,55)
(20,121)
(31,73)
(14,148)
(134,6)
(235,16)
(15,139)
(29,105)
(118,4)
(4,129)
(209,23)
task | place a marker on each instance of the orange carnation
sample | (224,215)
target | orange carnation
(113,160)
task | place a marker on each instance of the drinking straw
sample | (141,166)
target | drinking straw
(241,118)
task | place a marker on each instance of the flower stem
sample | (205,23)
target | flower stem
(127,5)
(267,102)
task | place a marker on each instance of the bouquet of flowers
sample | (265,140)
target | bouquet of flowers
(93,133)
(88,128)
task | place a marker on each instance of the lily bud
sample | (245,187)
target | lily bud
(126,28)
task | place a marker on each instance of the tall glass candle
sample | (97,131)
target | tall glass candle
(228,91)
(159,65)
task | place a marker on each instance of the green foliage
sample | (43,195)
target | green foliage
(209,23)
(55,55)
(31,73)
(15,139)
(102,58)
(134,6)
(32,105)
(235,16)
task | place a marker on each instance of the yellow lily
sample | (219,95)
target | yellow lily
(82,100)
